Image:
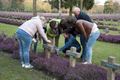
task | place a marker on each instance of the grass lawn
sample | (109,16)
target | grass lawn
(11,70)
(102,50)
(8,29)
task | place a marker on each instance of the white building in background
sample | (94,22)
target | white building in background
(116,1)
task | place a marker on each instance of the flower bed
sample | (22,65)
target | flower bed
(8,44)
(11,45)
(16,15)
(109,17)
(11,21)
(59,67)
(110,28)
(56,65)
(109,38)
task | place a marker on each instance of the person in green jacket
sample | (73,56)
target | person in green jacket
(53,31)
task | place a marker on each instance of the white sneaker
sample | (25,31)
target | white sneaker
(86,62)
(23,65)
(28,66)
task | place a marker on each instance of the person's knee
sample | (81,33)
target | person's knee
(79,50)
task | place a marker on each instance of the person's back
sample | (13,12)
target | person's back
(25,34)
(89,32)
(87,25)
(83,16)
(31,25)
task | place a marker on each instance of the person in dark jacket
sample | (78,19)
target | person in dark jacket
(81,16)
(71,42)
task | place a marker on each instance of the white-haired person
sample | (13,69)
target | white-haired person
(25,35)
(81,16)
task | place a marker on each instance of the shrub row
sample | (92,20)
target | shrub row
(24,16)
(59,67)
(10,44)
(110,28)
(109,38)
(16,15)
(108,17)
(11,21)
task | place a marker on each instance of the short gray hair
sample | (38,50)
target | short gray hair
(75,9)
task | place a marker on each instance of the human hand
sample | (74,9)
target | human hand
(34,40)
(48,41)
(57,51)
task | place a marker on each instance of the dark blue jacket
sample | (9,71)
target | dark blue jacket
(84,16)
(71,42)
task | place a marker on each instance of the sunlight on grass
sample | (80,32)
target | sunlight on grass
(8,29)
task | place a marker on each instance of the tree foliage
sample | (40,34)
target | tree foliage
(17,5)
(86,4)
(1,5)
(108,7)
(116,7)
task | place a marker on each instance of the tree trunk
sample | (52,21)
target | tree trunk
(34,8)
(60,8)
(70,11)
(81,5)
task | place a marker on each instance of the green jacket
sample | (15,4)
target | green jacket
(50,33)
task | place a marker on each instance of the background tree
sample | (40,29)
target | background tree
(34,8)
(1,6)
(17,5)
(69,4)
(116,7)
(86,4)
(108,7)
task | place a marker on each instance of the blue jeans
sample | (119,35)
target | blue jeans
(25,41)
(87,46)
(71,42)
